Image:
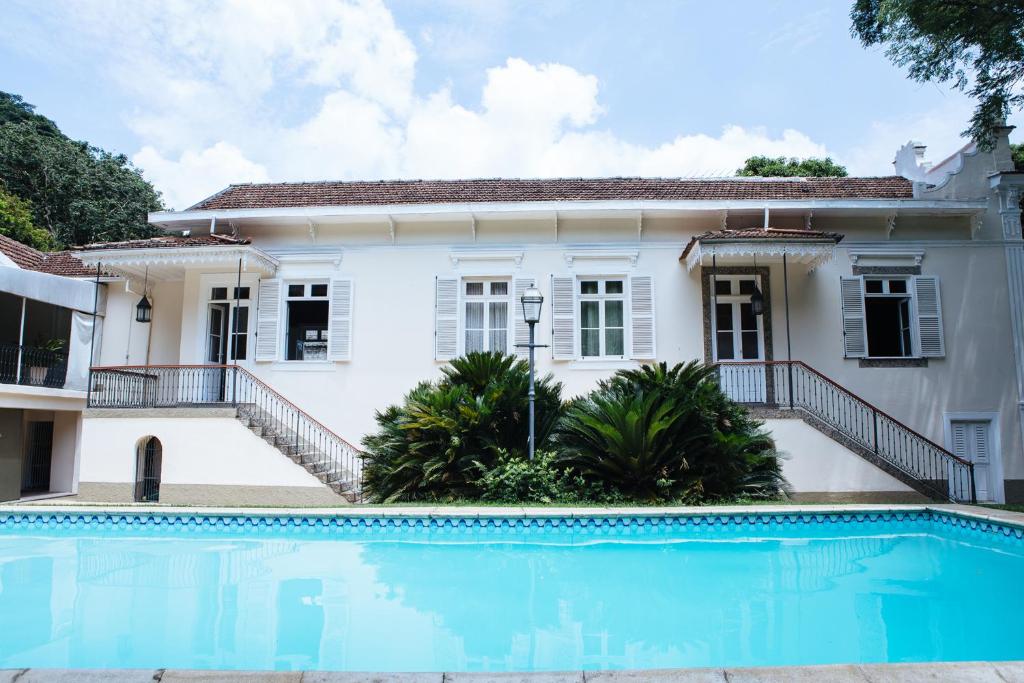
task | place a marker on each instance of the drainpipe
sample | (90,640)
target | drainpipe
(92,333)
(789,344)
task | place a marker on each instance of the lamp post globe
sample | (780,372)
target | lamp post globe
(532,301)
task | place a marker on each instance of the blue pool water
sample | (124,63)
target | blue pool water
(418,594)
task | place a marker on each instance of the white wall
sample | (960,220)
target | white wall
(209,450)
(816,463)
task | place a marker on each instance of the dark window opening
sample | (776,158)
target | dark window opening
(148,466)
(318,290)
(35,475)
(296,290)
(219,293)
(888,324)
(240,334)
(307,330)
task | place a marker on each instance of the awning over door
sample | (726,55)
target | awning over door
(809,247)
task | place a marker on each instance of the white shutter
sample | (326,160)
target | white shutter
(268,320)
(563,318)
(339,331)
(960,440)
(929,317)
(446,318)
(641,292)
(855,332)
(522,330)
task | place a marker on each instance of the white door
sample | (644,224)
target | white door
(738,337)
(972,440)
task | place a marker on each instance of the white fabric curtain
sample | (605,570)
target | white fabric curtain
(78,351)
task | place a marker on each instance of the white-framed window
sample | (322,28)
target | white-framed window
(888,317)
(738,334)
(485,314)
(891,316)
(602,316)
(307,311)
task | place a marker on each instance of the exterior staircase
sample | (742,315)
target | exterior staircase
(796,389)
(272,417)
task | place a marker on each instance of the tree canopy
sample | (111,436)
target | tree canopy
(77,193)
(16,222)
(977,45)
(775,167)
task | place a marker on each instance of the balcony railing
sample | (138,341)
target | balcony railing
(296,432)
(792,384)
(32,366)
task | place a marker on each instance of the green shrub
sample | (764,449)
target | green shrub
(659,434)
(447,434)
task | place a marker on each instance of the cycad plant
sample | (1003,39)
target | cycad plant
(660,433)
(445,435)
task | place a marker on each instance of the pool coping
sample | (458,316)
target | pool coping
(971,512)
(975,672)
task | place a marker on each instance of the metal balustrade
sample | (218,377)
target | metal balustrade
(32,366)
(280,422)
(795,385)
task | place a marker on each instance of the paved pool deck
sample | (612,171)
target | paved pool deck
(966,672)
(960,672)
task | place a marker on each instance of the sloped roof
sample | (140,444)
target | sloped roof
(779,234)
(54,262)
(169,242)
(334,193)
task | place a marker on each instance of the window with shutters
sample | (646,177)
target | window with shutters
(888,312)
(485,315)
(307,310)
(602,317)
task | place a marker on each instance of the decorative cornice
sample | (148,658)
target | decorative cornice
(814,254)
(886,254)
(183,256)
(460,257)
(624,257)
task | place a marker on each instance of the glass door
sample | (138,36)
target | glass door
(738,338)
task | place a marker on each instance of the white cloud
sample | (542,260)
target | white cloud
(250,90)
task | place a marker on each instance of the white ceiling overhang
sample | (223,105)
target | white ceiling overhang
(171,263)
(812,253)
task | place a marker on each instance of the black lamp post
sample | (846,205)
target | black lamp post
(532,301)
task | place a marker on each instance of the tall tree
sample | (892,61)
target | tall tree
(977,45)
(776,167)
(78,193)
(16,222)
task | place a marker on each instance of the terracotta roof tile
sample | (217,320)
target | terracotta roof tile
(54,262)
(168,242)
(783,234)
(281,195)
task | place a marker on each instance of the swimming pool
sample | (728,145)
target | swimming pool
(366,593)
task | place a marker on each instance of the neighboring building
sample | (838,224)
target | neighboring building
(45,341)
(304,308)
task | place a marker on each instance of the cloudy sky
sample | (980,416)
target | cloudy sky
(202,94)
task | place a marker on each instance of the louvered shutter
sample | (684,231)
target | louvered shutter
(563,318)
(855,333)
(522,330)
(268,320)
(929,317)
(960,440)
(446,318)
(339,332)
(641,293)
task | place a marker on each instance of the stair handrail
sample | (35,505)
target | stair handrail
(844,390)
(237,368)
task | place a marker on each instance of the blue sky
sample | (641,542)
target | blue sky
(201,94)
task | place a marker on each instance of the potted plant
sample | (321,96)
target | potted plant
(43,358)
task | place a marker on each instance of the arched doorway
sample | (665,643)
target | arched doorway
(148,461)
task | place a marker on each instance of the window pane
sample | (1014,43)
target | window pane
(240,293)
(499,340)
(499,314)
(885,328)
(240,343)
(723,316)
(897,286)
(613,342)
(613,287)
(746,286)
(474,288)
(474,340)
(318,290)
(307,330)
(590,314)
(241,319)
(219,293)
(723,287)
(613,313)
(499,288)
(475,315)
(588,287)
(725,351)
(750,345)
(873,286)
(296,290)
(590,342)
(748,321)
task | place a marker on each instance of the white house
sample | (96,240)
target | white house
(888,360)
